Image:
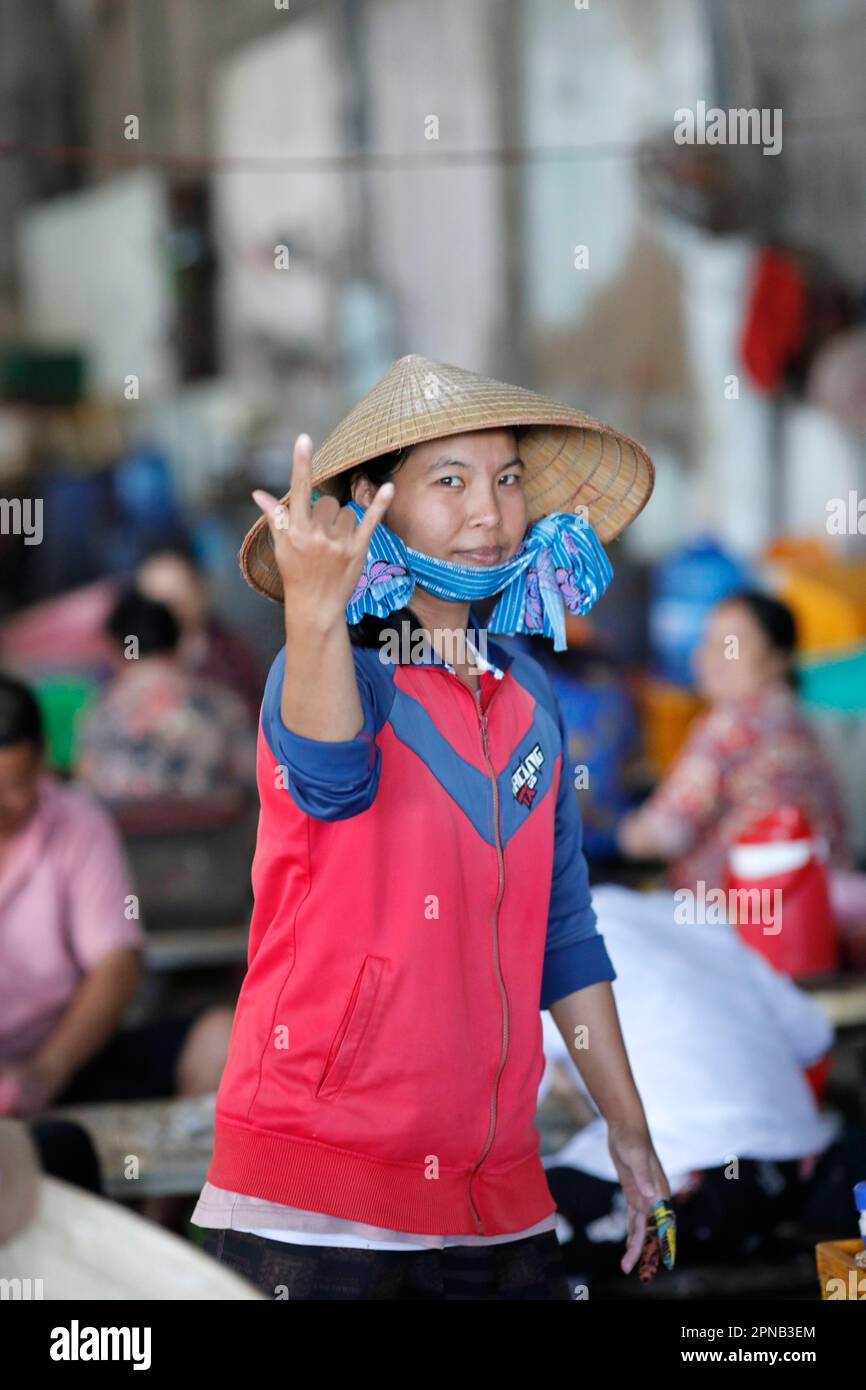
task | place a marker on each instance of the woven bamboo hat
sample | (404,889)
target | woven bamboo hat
(573,462)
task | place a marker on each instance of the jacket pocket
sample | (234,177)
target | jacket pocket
(353,1026)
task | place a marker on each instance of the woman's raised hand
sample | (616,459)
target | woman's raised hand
(320,553)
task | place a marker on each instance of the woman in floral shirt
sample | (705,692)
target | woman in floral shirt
(752,751)
(158,731)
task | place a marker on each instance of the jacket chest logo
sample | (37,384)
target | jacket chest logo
(524,778)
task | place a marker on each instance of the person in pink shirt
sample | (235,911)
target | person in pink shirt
(71,946)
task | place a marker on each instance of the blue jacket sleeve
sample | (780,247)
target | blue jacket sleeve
(575,954)
(329,781)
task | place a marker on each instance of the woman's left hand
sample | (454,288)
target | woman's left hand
(643,1183)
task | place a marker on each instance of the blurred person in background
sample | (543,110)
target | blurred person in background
(71,946)
(157,731)
(208,645)
(68,632)
(751,751)
(721,1044)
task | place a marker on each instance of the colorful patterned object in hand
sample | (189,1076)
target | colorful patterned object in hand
(666,1227)
(659,1242)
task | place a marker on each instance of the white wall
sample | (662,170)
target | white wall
(613,337)
(437,230)
(277,99)
(93,275)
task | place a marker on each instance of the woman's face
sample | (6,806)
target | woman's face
(459,498)
(167,579)
(735,660)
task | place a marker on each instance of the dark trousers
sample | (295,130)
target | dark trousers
(718,1218)
(516,1269)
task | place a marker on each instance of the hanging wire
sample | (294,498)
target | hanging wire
(373,160)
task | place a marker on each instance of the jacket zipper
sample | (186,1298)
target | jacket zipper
(482,718)
(482,714)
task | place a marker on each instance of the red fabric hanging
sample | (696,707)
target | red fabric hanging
(776,319)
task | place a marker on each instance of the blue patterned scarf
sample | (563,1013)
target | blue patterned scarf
(560,565)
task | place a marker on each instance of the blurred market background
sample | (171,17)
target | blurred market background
(221,224)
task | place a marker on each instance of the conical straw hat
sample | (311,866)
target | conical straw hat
(573,462)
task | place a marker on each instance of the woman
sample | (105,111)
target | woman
(158,731)
(751,751)
(209,646)
(71,959)
(420,887)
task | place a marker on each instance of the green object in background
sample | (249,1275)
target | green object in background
(61,699)
(197,1235)
(836,684)
(41,376)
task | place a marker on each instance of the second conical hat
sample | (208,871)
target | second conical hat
(573,462)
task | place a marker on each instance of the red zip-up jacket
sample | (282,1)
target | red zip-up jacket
(420,895)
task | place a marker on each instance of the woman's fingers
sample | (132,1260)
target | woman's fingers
(273,508)
(637,1222)
(372,516)
(299,504)
(328,537)
(277,512)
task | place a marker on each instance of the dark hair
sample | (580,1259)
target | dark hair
(776,621)
(153,623)
(368,632)
(378,470)
(20,715)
